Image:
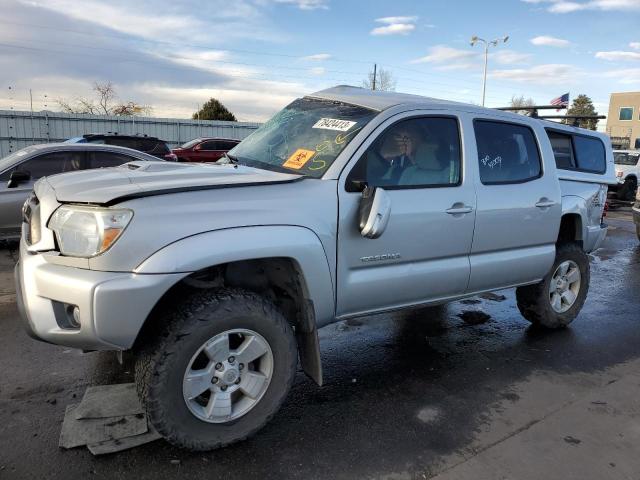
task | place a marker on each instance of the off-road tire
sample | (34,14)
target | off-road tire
(162,361)
(628,189)
(533,300)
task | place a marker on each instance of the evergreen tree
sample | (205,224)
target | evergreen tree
(214,110)
(582,105)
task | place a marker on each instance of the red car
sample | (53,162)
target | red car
(204,149)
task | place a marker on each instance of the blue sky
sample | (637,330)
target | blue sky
(257,55)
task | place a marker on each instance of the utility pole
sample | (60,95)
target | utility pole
(373,84)
(493,43)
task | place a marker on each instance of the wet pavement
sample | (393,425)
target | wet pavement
(412,394)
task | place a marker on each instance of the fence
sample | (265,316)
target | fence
(20,129)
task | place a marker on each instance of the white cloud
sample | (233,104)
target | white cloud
(510,57)
(151,20)
(398,25)
(548,41)
(307,4)
(448,58)
(635,45)
(318,57)
(394,29)
(64,61)
(564,6)
(390,20)
(540,74)
(626,76)
(617,55)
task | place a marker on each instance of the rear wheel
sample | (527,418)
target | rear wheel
(219,372)
(557,299)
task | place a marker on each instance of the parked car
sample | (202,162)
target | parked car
(627,173)
(217,276)
(143,143)
(20,170)
(636,213)
(204,149)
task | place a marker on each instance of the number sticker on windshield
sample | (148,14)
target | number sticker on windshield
(298,159)
(334,124)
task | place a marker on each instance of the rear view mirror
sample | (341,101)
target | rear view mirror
(375,210)
(17,177)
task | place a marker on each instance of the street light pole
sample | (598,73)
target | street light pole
(493,43)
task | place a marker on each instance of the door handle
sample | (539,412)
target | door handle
(544,203)
(459,208)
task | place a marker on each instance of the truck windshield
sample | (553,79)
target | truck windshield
(305,137)
(624,158)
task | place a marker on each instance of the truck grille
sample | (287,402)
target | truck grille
(31,217)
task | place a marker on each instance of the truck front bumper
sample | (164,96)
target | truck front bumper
(85,309)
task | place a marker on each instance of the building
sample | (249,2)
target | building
(623,121)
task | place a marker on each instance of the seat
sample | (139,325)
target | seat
(428,169)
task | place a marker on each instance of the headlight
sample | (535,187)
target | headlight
(88,231)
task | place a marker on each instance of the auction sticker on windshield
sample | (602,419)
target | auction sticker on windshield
(298,159)
(334,124)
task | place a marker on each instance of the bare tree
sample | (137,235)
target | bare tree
(521,102)
(384,80)
(106,103)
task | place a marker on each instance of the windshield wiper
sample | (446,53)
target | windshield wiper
(228,159)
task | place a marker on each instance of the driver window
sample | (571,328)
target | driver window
(52,163)
(420,152)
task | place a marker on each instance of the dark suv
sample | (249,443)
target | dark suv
(143,143)
(204,149)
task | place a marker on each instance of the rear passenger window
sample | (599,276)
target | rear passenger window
(562,150)
(590,154)
(507,153)
(107,159)
(209,146)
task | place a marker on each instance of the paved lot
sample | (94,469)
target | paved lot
(418,394)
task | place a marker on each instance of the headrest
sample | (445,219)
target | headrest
(425,157)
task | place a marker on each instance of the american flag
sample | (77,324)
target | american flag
(561,101)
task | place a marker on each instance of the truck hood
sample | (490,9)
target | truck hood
(141,179)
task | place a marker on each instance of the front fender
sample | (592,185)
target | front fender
(249,243)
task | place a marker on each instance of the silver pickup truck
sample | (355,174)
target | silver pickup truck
(347,202)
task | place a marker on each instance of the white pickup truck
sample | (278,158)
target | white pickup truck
(627,173)
(347,202)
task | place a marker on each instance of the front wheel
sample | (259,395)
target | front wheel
(219,372)
(558,298)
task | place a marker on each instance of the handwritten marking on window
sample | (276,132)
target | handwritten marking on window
(487,161)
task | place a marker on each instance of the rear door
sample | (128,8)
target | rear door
(518,205)
(423,254)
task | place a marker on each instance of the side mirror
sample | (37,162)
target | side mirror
(375,211)
(17,177)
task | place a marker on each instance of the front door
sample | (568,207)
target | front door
(423,254)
